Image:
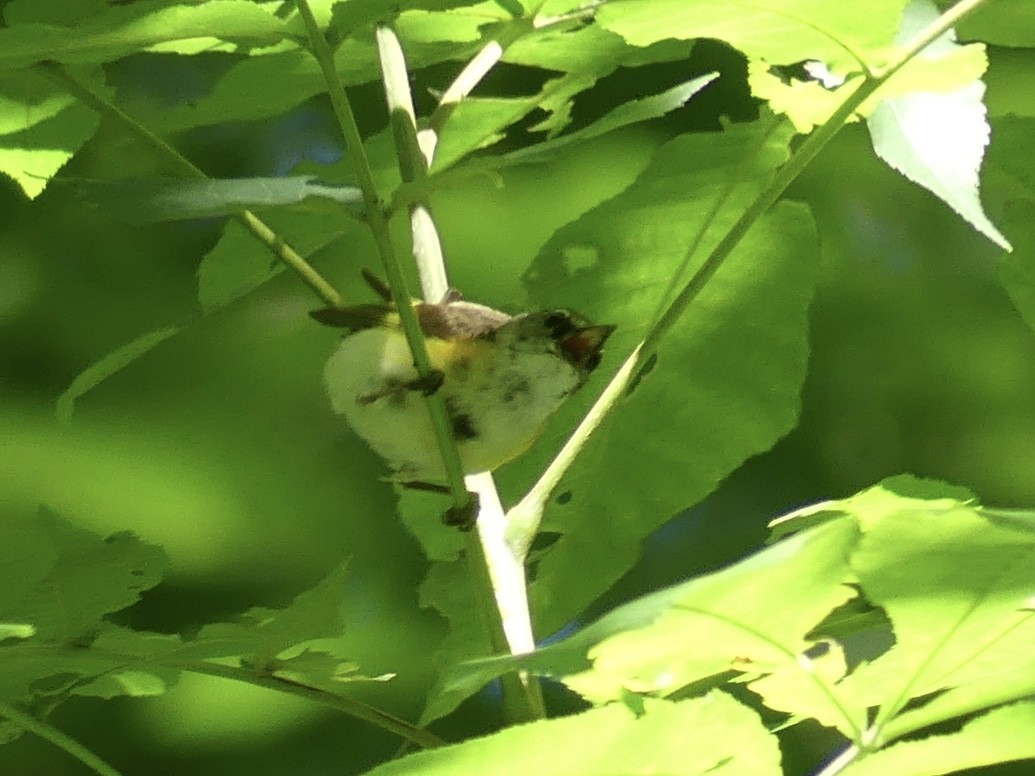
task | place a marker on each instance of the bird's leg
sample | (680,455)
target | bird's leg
(455,517)
(425,385)
(463,517)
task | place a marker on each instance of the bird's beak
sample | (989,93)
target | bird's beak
(582,347)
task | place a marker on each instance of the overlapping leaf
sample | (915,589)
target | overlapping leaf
(937,139)
(714,734)
(781,32)
(60,582)
(41,127)
(126,29)
(698,414)
(145,200)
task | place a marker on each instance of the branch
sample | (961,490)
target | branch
(498,576)
(57,737)
(378,222)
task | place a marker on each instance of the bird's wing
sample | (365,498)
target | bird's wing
(357,316)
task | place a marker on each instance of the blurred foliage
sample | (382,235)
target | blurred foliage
(218,445)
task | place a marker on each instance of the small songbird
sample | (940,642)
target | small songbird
(502,376)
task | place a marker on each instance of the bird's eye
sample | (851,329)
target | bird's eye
(559,324)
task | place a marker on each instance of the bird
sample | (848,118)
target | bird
(500,377)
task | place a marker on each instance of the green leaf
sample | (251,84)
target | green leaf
(955,586)
(40,129)
(1012,165)
(126,29)
(1002,23)
(124,682)
(629,113)
(447,587)
(714,734)
(476,123)
(61,12)
(937,139)
(262,86)
(591,50)
(317,668)
(698,414)
(713,624)
(112,363)
(1010,73)
(146,200)
(781,32)
(997,685)
(1002,735)
(27,99)
(261,634)
(62,580)
(677,636)
(354,15)
(585,55)
(240,263)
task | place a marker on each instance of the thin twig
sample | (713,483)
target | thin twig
(349,706)
(377,220)
(259,228)
(842,761)
(57,737)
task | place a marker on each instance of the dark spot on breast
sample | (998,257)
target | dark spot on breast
(461,422)
(516,387)
(463,427)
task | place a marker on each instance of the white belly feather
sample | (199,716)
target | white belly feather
(497,405)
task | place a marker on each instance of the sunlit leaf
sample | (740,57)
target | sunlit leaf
(1001,735)
(15,630)
(124,682)
(956,587)
(261,86)
(41,127)
(666,640)
(937,139)
(126,29)
(777,31)
(731,630)
(477,123)
(713,734)
(584,54)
